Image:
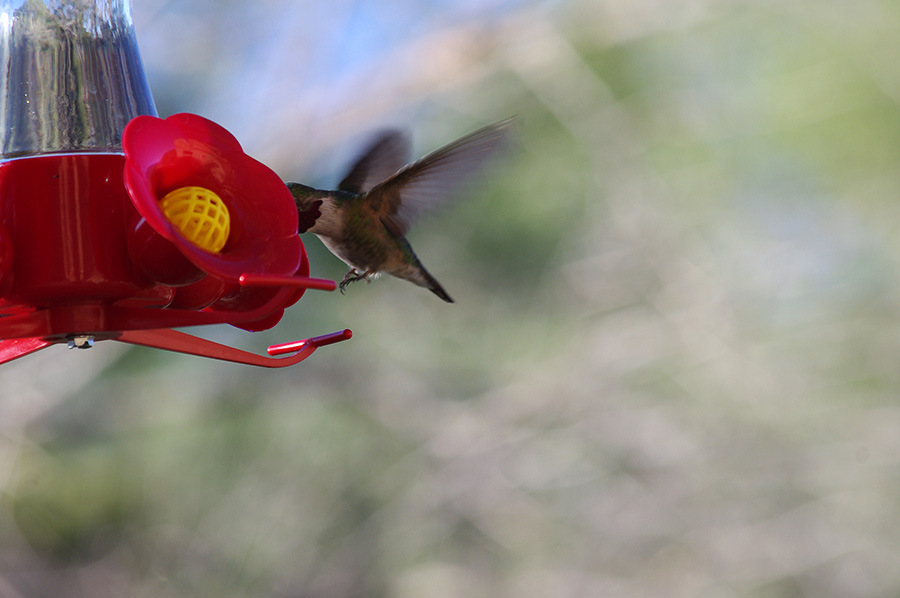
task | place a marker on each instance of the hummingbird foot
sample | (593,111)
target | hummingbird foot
(352,276)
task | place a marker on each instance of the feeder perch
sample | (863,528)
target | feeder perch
(118,225)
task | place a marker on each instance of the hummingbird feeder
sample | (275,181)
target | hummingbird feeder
(118,225)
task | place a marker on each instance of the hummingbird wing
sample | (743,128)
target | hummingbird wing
(386,154)
(430,183)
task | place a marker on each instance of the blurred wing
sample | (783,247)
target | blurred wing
(430,183)
(386,155)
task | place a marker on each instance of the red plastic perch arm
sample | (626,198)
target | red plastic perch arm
(303,282)
(20,347)
(172,340)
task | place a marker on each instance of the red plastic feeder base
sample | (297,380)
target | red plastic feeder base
(66,274)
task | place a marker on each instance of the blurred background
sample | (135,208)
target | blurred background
(672,368)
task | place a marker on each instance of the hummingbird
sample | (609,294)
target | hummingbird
(364,222)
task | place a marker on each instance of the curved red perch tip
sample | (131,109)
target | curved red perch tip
(173,340)
(315,342)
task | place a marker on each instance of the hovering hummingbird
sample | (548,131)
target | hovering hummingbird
(365,220)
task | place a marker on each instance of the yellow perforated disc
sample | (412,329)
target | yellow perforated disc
(200,215)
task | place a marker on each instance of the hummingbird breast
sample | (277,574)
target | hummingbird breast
(352,233)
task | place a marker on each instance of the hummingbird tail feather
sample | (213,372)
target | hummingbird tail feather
(435,287)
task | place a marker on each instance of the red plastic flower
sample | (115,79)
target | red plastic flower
(185,150)
(188,150)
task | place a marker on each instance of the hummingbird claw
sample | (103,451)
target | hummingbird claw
(353,276)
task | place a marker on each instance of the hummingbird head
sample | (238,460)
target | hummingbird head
(309,202)
(306,219)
